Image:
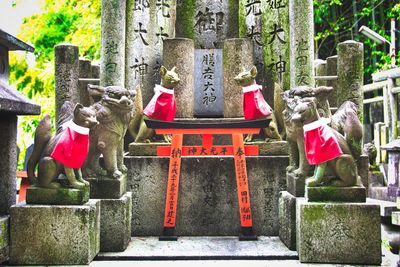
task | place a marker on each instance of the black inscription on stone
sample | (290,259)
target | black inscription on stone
(141,33)
(141,69)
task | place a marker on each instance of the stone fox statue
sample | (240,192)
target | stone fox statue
(114,110)
(334,151)
(254,105)
(64,153)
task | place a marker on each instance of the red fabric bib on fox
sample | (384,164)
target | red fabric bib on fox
(73,146)
(162,106)
(254,104)
(320,142)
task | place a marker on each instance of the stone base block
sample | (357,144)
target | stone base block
(115,223)
(107,188)
(295,185)
(4,239)
(60,196)
(287,219)
(381,193)
(346,233)
(144,149)
(271,148)
(54,235)
(336,194)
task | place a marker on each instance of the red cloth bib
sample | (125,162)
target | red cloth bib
(162,106)
(73,146)
(320,142)
(254,104)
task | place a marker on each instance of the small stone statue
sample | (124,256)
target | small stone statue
(161,107)
(254,104)
(64,153)
(113,110)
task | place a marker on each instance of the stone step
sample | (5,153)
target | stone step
(202,248)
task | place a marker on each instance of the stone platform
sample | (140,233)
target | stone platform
(107,188)
(4,238)
(59,196)
(207,203)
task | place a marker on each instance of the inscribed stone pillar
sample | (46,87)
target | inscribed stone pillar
(237,53)
(8,164)
(301,18)
(351,74)
(179,53)
(149,23)
(112,65)
(66,74)
(331,70)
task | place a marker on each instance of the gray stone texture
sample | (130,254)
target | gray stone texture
(13,102)
(336,194)
(208,95)
(95,71)
(66,74)
(207,22)
(237,54)
(207,202)
(287,219)
(4,239)
(381,193)
(115,223)
(4,64)
(179,53)
(345,233)
(107,188)
(8,164)
(148,24)
(301,17)
(363,170)
(56,235)
(112,64)
(331,70)
(60,196)
(295,185)
(387,207)
(320,70)
(350,68)
(85,68)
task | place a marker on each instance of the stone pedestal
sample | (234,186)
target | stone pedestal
(345,233)
(287,219)
(295,185)
(336,194)
(60,196)
(115,223)
(4,239)
(107,188)
(54,235)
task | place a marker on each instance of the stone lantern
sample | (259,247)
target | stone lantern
(393,149)
(12,103)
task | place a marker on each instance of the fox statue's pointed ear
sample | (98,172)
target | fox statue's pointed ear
(78,106)
(163,71)
(243,69)
(173,69)
(253,71)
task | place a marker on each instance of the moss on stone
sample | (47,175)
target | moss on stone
(313,213)
(186,12)
(242,18)
(3,234)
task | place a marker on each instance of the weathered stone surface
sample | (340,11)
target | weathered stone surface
(112,64)
(287,219)
(363,170)
(57,234)
(95,71)
(237,53)
(115,223)
(320,70)
(4,238)
(85,68)
(387,207)
(295,185)
(331,70)
(84,97)
(381,193)
(144,149)
(396,218)
(350,70)
(61,196)
(8,164)
(208,95)
(179,53)
(13,102)
(207,202)
(107,188)
(66,74)
(338,233)
(335,194)
(272,148)
(301,17)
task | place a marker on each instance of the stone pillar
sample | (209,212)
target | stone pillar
(320,70)
(112,65)
(350,70)
(85,68)
(301,17)
(85,72)
(8,164)
(95,70)
(66,74)
(149,23)
(179,53)
(238,53)
(331,70)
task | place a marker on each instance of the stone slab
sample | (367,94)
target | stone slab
(107,188)
(345,233)
(202,248)
(60,196)
(396,218)
(381,193)
(144,149)
(207,204)
(295,186)
(4,238)
(54,235)
(336,194)
(387,207)
(115,223)
(287,219)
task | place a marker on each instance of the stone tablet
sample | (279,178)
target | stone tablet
(208,95)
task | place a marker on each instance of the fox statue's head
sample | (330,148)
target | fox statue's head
(84,116)
(169,78)
(246,77)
